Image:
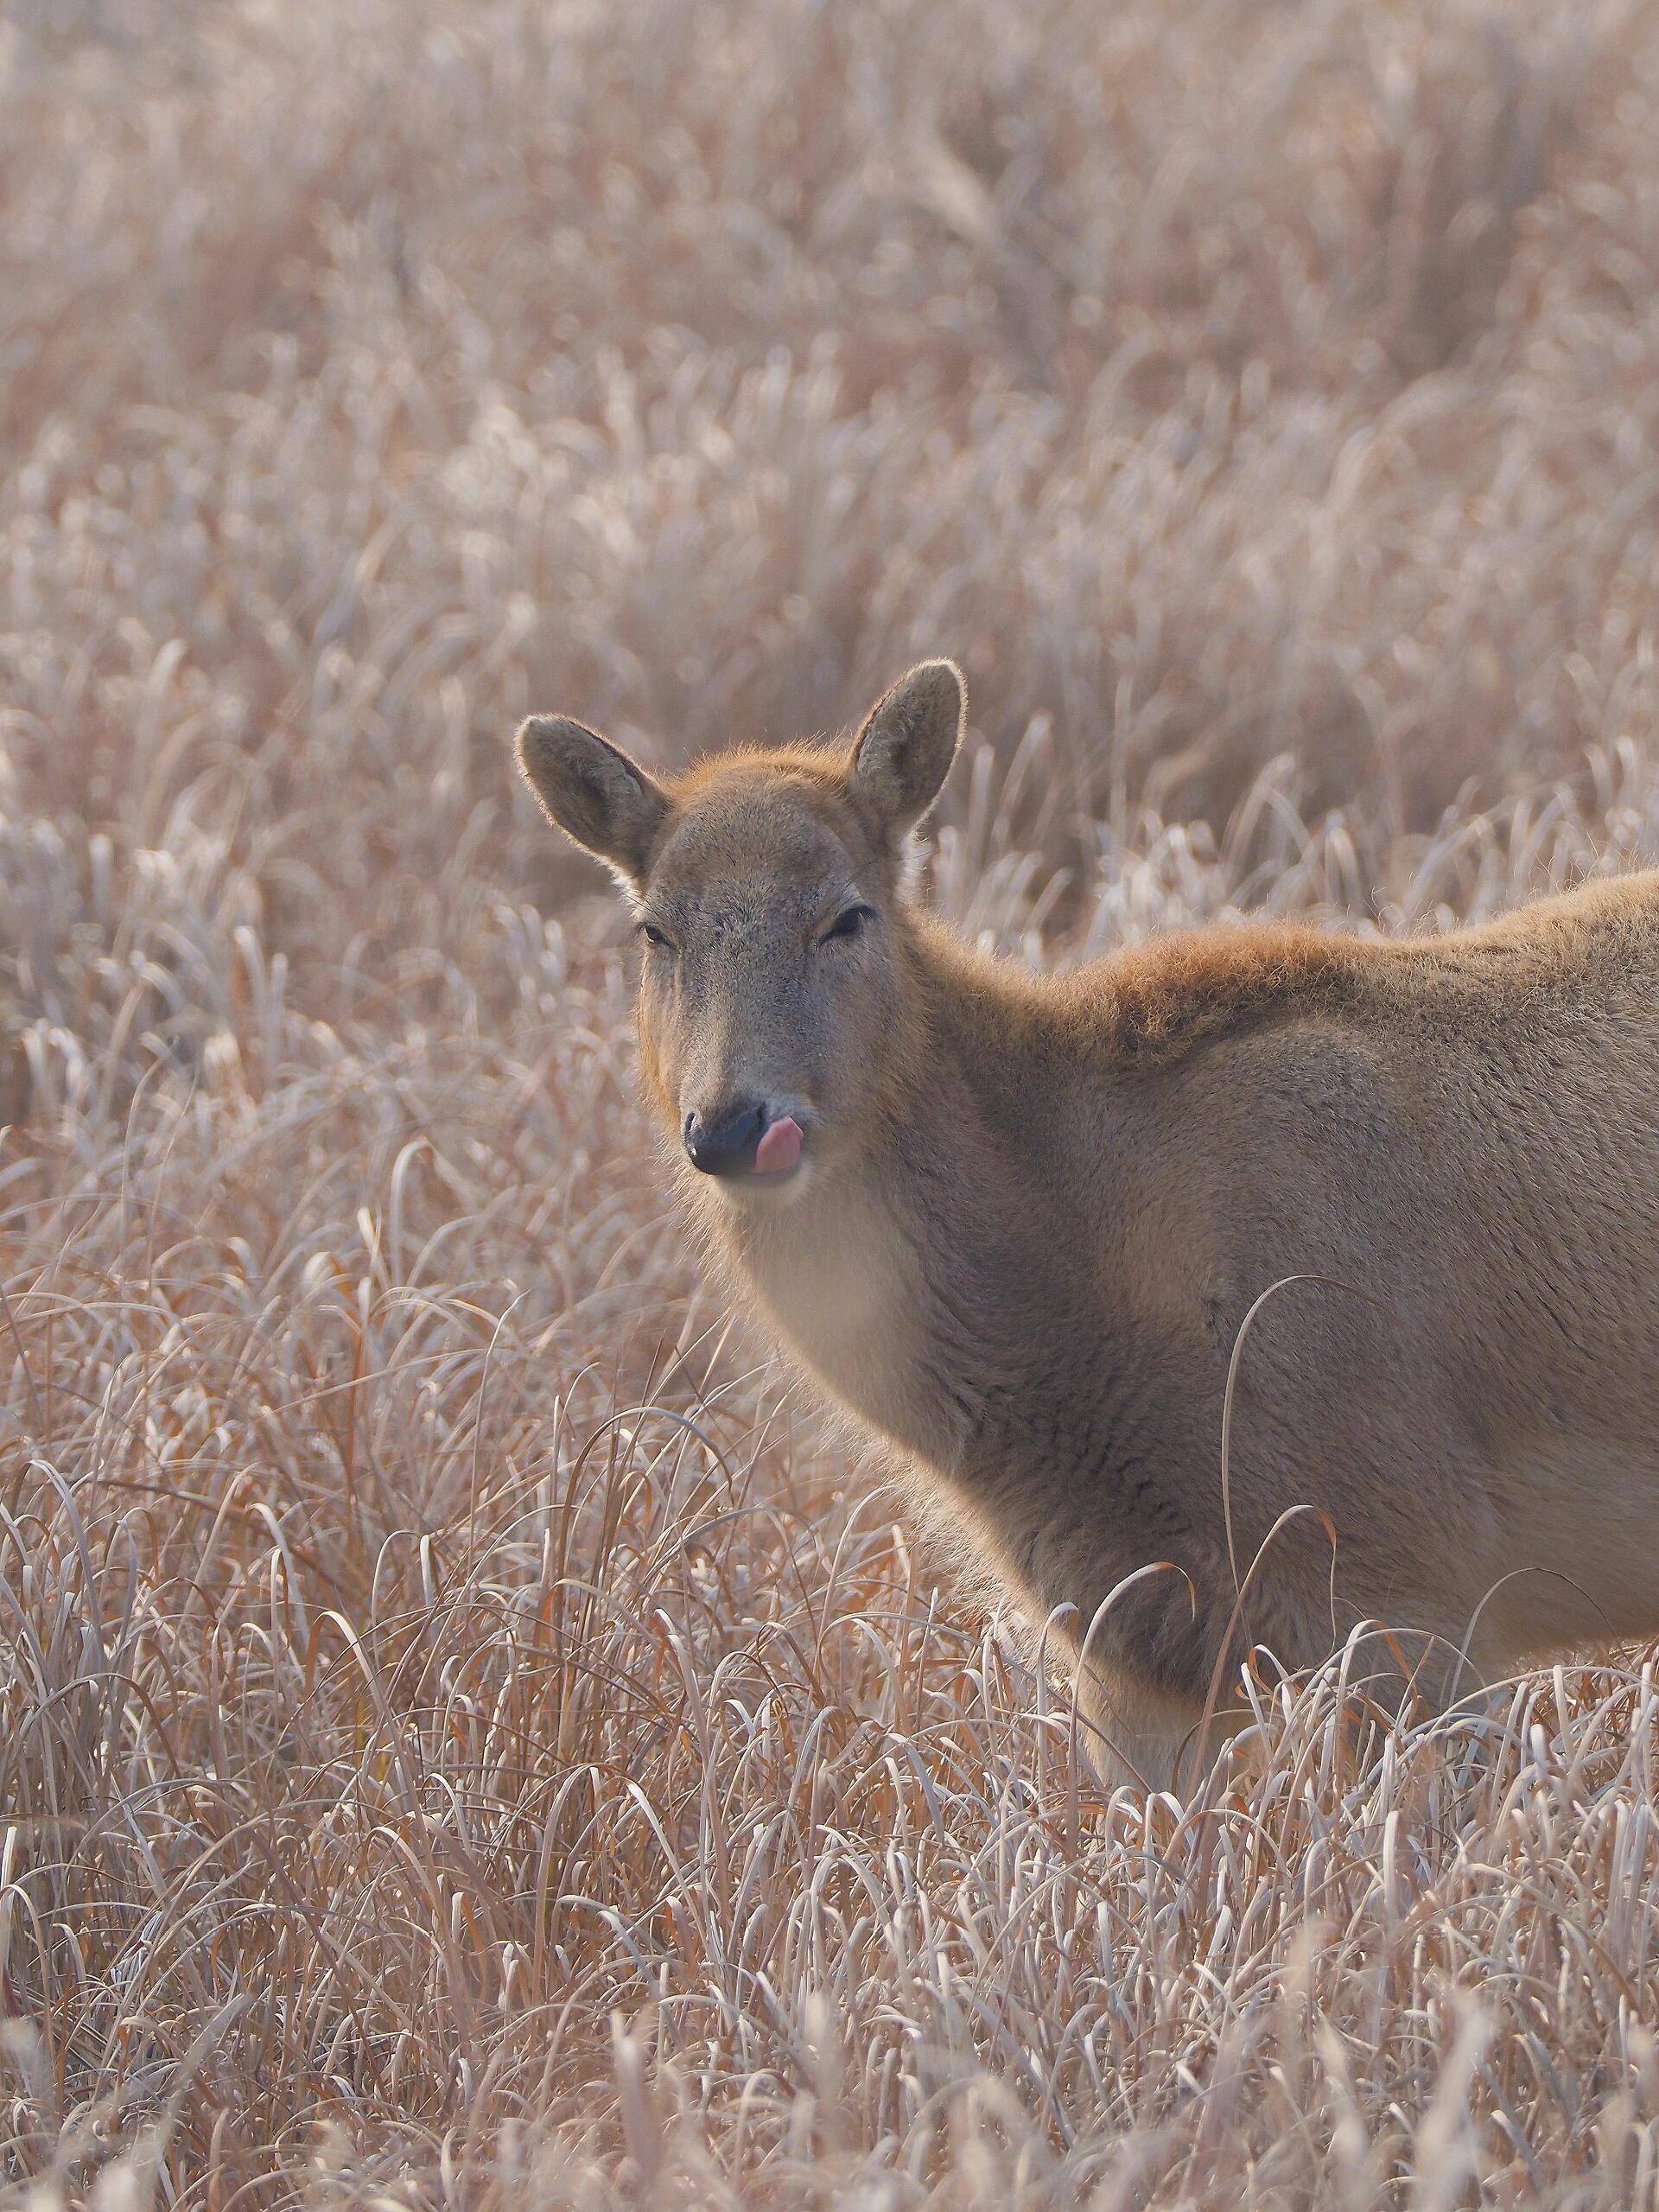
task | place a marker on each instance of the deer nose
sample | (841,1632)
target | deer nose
(724,1142)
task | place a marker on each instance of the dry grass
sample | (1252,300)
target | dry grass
(465,1737)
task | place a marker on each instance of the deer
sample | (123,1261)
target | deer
(1251,1290)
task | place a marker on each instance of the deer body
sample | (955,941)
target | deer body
(1023,1222)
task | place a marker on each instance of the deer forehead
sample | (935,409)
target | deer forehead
(752,848)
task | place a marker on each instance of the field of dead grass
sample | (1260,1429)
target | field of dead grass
(466,1736)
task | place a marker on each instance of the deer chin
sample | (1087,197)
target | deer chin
(758,1199)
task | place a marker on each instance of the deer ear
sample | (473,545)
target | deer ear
(903,752)
(591,790)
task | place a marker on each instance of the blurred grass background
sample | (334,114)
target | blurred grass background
(469,1734)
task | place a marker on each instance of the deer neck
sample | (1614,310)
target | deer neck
(891,1278)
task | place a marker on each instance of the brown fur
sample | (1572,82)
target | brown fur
(1034,1214)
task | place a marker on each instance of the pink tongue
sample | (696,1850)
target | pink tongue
(779,1148)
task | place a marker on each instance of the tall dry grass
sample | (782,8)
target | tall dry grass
(466,1735)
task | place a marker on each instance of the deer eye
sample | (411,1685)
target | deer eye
(851,922)
(657,939)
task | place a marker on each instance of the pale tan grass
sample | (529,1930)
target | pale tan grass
(467,1734)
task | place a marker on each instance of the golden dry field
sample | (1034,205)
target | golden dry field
(470,1734)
